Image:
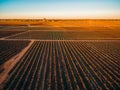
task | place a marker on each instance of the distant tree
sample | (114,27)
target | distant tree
(44,19)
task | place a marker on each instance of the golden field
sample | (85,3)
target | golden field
(87,29)
(59,54)
(63,23)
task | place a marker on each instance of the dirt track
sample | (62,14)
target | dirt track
(10,63)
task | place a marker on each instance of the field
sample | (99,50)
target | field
(68,35)
(67,65)
(8,33)
(10,48)
(61,55)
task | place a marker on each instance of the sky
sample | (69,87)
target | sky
(54,9)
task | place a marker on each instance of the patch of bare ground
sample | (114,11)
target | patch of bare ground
(7,66)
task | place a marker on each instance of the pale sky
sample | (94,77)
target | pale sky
(85,9)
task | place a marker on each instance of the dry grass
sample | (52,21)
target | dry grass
(86,23)
(63,23)
(21,23)
(92,29)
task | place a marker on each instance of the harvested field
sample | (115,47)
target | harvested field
(68,65)
(86,23)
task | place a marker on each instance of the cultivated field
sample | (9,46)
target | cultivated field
(8,33)
(60,55)
(10,48)
(67,65)
(68,35)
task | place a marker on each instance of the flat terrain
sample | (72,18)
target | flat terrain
(67,65)
(60,54)
(10,48)
(64,29)
(68,35)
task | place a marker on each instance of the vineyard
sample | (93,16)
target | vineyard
(10,48)
(8,33)
(45,57)
(68,65)
(67,35)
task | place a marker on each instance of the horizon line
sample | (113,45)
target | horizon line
(60,18)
